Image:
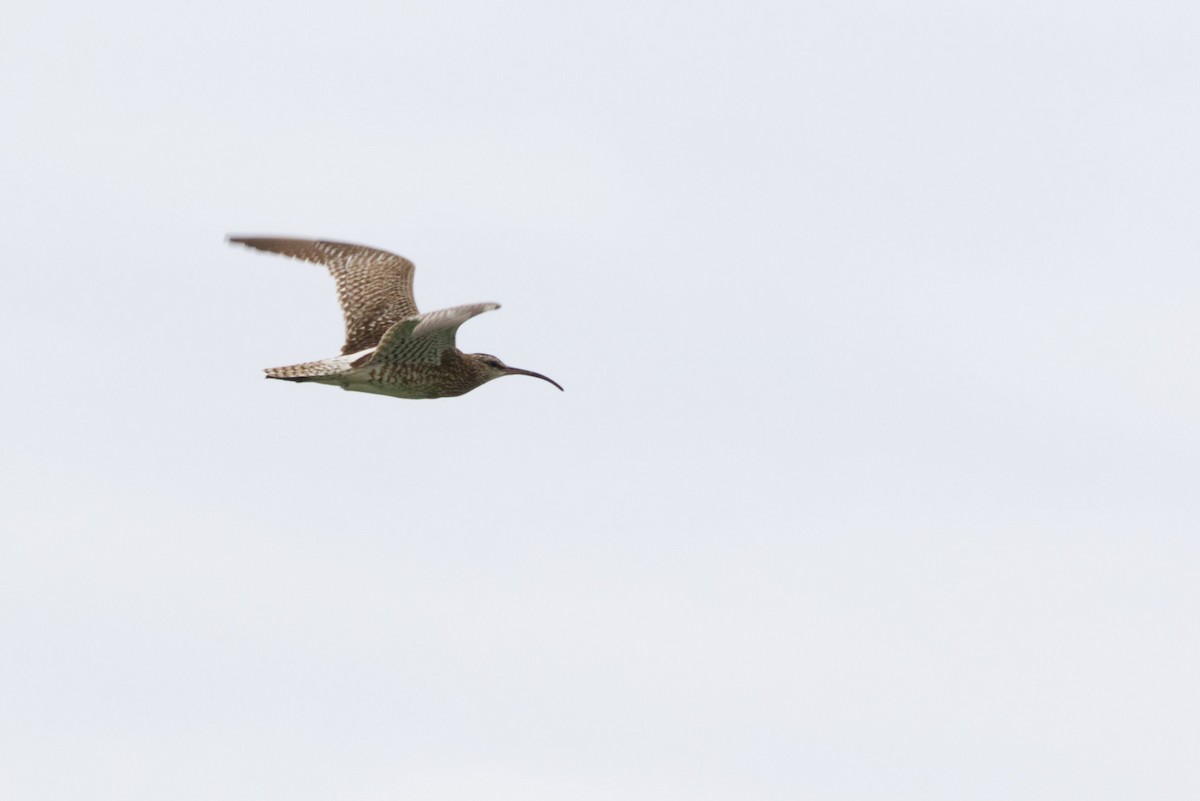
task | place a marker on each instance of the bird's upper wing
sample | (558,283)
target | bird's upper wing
(374,286)
(424,338)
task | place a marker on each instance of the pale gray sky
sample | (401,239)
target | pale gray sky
(876,472)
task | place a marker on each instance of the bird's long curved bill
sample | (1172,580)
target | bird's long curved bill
(519,371)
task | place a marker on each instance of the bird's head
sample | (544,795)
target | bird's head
(491,367)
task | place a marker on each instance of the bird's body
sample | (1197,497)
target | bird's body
(391,348)
(454,374)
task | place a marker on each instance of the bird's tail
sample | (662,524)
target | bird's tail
(310,371)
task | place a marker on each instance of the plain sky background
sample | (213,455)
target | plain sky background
(876,474)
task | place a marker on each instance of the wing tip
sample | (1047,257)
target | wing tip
(247,241)
(244,239)
(278,244)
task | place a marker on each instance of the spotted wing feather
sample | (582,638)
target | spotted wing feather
(374,286)
(424,338)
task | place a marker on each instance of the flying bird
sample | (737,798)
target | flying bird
(391,348)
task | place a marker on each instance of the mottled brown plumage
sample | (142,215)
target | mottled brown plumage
(391,348)
(374,287)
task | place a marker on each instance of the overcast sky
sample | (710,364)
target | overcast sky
(876,472)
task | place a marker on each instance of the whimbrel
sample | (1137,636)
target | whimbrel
(391,348)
